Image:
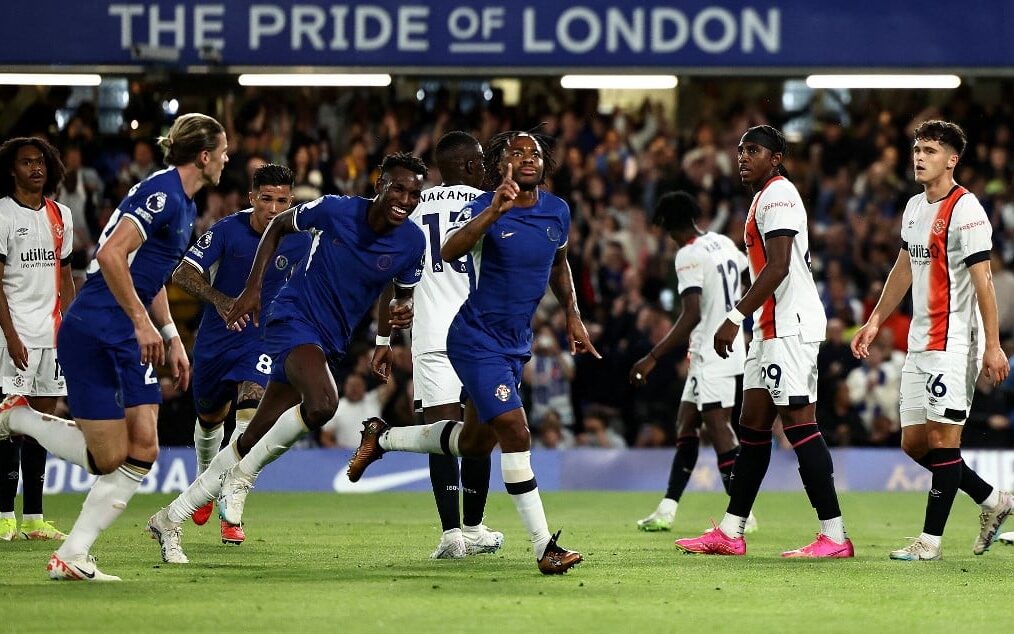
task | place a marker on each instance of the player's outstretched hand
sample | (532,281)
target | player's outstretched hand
(503,198)
(223,309)
(639,373)
(401,312)
(995,365)
(724,338)
(150,341)
(247,305)
(380,364)
(179,363)
(862,339)
(580,341)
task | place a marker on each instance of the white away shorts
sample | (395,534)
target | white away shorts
(43,377)
(938,386)
(435,381)
(784,366)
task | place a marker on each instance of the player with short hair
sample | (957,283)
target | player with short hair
(359,246)
(437,298)
(517,236)
(944,258)
(35,246)
(780,375)
(228,365)
(110,342)
(709,272)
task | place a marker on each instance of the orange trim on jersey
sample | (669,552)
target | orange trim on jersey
(56,228)
(938,296)
(758,258)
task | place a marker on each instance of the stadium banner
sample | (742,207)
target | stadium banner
(567,470)
(692,35)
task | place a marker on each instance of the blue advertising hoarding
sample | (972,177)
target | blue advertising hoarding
(595,34)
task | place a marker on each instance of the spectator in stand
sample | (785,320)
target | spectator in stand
(598,432)
(548,375)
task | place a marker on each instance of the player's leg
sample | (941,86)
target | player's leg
(10,474)
(475,474)
(33,468)
(688,421)
(445,481)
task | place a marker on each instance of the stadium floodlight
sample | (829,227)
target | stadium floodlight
(619,82)
(314,79)
(50,79)
(883,81)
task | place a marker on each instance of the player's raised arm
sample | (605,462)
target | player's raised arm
(249,301)
(898,282)
(462,240)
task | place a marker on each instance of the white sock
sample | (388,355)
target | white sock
(424,438)
(205,488)
(991,501)
(105,502)
(30,517)
(834,529)
(932,540)
(207,442)
(60,437)
(7,515)
(519,479)
(283,434)
(243,418)
(732,525)
(667,506)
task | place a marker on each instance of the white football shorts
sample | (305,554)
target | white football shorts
(707,391)
(435,381)
(784,366)
(938,386)
(43,377)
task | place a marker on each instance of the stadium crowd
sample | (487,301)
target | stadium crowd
(852,169)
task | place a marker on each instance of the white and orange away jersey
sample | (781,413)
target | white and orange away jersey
(444,285)
(32,245)
(711,265)
(795,307)
(943,239)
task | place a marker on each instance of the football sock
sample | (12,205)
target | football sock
(105,502)
(834,529)
(7,515)
(667,506)
(519,480)
(474,488)
(748,472)
(733,525)
(10,473)
(205,488)
(438,437)
(244,414)
(444,480)
(31,517)
(33,471)
(61,437)
(283,434)
(726,461)
(683,464)
(815,468)
(984,494)
(946,467)
(932,540)
(208,442)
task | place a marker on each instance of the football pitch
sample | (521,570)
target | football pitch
(359,563)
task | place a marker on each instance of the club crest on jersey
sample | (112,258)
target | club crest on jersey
(938,226)
(205,240)
(58,231)
(503,392)
(156,202)
(281,262)
(553,233)
(384,262)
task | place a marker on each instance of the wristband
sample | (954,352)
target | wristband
(735,316)
(383,341)
(169,331)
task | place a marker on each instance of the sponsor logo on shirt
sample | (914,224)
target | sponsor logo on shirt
(503,392)
(922,253)
(778,203)
(971,225)
(37,257)
(156,202)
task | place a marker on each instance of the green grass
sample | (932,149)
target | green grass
(320,562)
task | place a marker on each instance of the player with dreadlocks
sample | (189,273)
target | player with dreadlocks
(517,236)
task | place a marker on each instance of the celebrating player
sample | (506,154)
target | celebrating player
(358,247)
(232,366)
(780,376)
(109,343)
(946,240)
(439,295)
(35,247)
(709,269)
(517,236)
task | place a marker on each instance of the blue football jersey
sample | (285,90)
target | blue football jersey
(226,252)
(347,268)
(164,216)
(512,263)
